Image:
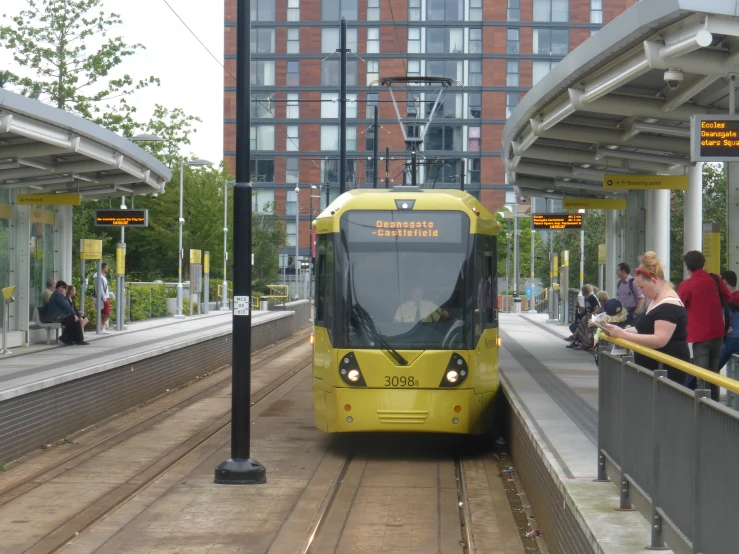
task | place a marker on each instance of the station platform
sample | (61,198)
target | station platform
(553,394)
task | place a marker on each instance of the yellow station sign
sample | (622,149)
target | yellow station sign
(602,254)
(196,256)
(48,199)
(645,182)
(91,249)
(594,203)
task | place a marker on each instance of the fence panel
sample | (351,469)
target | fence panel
(637,424)
(609,413)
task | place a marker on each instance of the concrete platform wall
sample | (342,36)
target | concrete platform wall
(302,309)
(51,414)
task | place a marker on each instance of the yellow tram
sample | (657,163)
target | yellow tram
(406,324)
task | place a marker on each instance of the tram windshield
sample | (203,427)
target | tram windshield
(406,275)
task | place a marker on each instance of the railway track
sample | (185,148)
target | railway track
(117,496)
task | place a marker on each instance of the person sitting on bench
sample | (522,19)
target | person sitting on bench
(59,309)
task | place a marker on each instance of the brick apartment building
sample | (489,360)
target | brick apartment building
(497,49)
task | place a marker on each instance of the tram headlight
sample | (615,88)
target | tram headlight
(456,372)
(350,372)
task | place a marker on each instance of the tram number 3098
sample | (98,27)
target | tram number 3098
(401,381)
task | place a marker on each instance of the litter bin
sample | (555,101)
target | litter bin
(264,304)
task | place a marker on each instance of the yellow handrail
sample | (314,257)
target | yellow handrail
(699,372)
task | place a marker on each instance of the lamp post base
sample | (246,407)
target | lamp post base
(179,316)
(240,472)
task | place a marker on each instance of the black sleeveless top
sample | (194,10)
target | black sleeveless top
(677,346)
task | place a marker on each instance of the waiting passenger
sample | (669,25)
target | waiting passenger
(50,287)
(663,327)
(591,306)
(60,310)
(418,309)
(731,341)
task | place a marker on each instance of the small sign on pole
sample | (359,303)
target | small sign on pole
(645,182)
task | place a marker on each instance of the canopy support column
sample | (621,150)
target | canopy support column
(613,246)
(693,212)
(658,226)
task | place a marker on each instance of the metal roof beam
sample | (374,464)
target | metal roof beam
(65,168)
(680,132)
(608,158)
(629,106)
(686,92)
(31,150)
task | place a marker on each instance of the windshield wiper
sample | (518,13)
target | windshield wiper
(368,325)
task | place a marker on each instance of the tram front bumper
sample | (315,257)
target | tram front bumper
(408,410)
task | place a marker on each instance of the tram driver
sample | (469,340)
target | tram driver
(417,309)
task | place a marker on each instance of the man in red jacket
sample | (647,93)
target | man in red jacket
(704,296)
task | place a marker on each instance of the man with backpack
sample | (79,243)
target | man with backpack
(630,296)
(704,296)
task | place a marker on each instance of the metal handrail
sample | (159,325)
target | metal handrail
(692,369)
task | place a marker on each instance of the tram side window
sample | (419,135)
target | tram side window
(325,276)
(491,290)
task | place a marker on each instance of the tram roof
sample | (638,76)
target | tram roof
(49,150)
(606,107)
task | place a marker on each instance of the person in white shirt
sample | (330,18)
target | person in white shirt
(103,303)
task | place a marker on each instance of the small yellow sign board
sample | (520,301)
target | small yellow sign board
(566,258)
(4,211)
(91,249)
(196,256)
(594,203)
(645,182)
(48,199)
(602,254)
(206,263)
(120,259)
(712,247)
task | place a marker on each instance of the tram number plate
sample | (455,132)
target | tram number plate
(402,381)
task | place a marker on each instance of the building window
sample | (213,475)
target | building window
(414,68)
(445,171)
(334,10)
(473,139)
(514,10)
(262,107)
(450,69)
(293,40)
(369,138)
(330,73)
(414,40)
(263,73)
(445,10)
(596,11)
(473,171)
(331,37)
(292,78)
(551,10)
(262,41)
(510,197)
(262,200)
(262,137)
(293,10)
(351,106)
(373,71)
(262,10)
(414,10)
(372,101)
(373,10)
(443,137)
(539,69)
(475,10)
(512,72)
(293,107)
(263,171)
(475,105)
(373,40)
(292,143)
(330,173)
(351,138)
(440,40)
(292,173)
(449,107)
(329,105)
(475,41)
(551,42)
(513,41)
(475,75)
(511,101)
(329,137)
(291,204)
(290,228)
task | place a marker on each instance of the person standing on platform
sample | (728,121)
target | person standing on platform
(731,312)
(631,298)
(663,326)
(103,303)
(704,296)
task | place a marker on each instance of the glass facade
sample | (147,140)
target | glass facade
(42,252)
(5,215)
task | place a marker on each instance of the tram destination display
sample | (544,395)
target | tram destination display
(121,218)
(430,227)
(556,222)
(714,138)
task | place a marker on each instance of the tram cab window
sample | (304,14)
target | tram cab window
(486,284)
(325,281)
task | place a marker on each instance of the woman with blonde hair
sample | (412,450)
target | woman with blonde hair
(663,327)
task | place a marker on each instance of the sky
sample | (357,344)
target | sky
(190,78)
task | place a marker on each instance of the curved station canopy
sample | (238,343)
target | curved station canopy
(622,101)
(48,150)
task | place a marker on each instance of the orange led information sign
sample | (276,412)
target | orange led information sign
(714,138)
(121,218)
(556,222)
(422,228)
(405,226)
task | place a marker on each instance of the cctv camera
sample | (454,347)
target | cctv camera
(673,77)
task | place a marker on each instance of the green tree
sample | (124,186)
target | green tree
(268,233)
(595,234)
(53,41)
(541,252)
